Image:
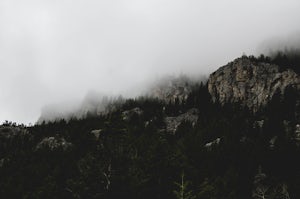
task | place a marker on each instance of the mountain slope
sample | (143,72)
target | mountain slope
(152,148)
(250,83)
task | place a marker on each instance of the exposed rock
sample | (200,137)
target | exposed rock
(96,133)
(250,84)
(272,142)
(127,115)
(172,89)
(172,123)
(258,124)
(297,133)
(53,144)
(209,145)
(147,123)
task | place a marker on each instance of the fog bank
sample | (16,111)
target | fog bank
(58,51)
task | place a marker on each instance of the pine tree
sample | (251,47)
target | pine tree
(183,192)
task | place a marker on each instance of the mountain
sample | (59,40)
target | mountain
(171,89)
(250,83)
(93,104)
(168,89)
(235,136)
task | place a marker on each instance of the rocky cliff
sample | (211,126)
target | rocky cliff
(171,89)
(250,83)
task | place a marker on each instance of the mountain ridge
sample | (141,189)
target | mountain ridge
(152,148)
(252,84)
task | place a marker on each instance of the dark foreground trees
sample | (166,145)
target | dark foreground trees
(217,157)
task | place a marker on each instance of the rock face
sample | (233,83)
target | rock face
(128,114)
(172,123)
(53,144)
(251,84)
(172,89)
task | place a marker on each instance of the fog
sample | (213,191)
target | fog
(289,44)
(56,51)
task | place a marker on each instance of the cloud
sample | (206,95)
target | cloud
(286,43)
(52,51)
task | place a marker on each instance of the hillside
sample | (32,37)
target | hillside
(252,84)
(168,89)
(236,136)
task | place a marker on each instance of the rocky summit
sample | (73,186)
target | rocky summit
(250,83)
(171,89)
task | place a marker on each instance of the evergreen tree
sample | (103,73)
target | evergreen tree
(183,191)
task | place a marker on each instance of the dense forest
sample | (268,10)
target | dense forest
(287,59)
(230,152)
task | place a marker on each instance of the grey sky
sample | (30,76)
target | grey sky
(57,50)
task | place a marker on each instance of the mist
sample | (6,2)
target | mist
(54,52)
(288,44)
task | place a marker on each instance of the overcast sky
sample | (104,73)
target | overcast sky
(54,51)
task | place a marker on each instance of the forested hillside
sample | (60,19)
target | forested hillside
(152,148)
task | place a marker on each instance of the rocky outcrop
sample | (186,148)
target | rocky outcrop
(248,83)
(209,146)
(172,123)
(53,144)
(172,89)
(96,133)
(128,114)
